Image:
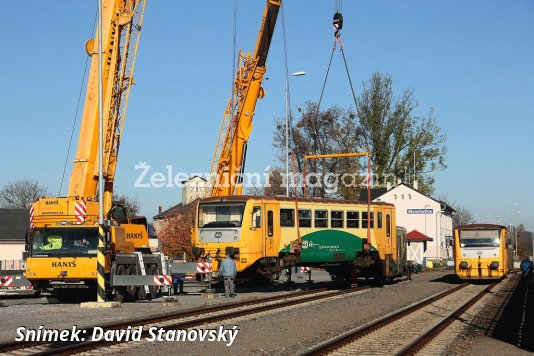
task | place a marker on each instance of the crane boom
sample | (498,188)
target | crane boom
(230,152)
(122,20)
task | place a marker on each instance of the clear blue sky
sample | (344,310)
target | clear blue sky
(473,61)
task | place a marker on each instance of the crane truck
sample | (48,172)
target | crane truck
(228,163)
(61,244)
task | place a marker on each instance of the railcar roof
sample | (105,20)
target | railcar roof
(480,226)
(240,198)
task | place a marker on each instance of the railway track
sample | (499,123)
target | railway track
(177,321)
(407,331)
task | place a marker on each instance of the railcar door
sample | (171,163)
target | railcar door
(271,229)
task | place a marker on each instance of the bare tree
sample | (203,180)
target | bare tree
(131,203)
(21,193)
(462,216)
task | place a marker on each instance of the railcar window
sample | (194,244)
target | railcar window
(336,219)
(353,219)
(256,217)
(364,220)
(287,217)
(388,225)
(270,223)
(378,219)
(214,215)
(305,218)
(479,238)
(321,218)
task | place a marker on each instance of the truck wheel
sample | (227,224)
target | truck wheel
(121,294)
(154,290)
(131,291)
(52,299)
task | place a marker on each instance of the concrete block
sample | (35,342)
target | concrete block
(210,295)
(96,305)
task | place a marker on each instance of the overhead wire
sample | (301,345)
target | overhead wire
(76,112)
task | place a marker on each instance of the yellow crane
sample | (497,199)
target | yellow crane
(228,162)
(61,245)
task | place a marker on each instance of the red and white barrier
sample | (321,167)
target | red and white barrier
(204,267)
(162,280)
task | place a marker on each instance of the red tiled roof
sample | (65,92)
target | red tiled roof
(416,236)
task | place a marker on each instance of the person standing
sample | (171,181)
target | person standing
(228,270)
(526,267)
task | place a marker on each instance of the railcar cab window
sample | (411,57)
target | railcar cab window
(336,219)
(68,241)
(353,219)
(364,220)
(321,218)
(479,238)
(256,217)
(287,217)
(305,218)
(220,215)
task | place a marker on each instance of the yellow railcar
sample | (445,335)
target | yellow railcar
(482,251)
(262,233)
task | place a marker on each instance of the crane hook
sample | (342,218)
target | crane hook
(338,23)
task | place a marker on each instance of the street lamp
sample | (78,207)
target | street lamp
(295,74)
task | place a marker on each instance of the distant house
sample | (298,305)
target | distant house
(159,219)
(419,212)
(13,226)
(193,189)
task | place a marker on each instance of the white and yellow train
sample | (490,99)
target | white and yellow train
(482,251)
(262,233)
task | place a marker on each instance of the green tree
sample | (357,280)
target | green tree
(395,136)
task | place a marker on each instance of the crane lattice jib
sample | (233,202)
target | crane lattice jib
(128,27)
(122,20)
(229,158)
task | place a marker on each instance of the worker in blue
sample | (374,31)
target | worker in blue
(178,279)
(526,267)
(228,270)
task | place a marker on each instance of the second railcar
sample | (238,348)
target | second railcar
(482,252)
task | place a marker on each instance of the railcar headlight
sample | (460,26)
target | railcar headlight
(494,265)
(463,265)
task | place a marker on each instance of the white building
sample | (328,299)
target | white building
(193,189)
(13,226)
(417,211)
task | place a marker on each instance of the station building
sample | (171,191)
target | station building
(427,220)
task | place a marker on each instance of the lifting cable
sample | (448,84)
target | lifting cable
(337,22)
(76,113)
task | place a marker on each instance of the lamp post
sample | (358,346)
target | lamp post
(295,74)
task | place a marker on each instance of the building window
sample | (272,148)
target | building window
(395,196)
(410,196)
(402,196)
(336,219)
(287,217)
(353,219)
(321,218)
(305,218)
